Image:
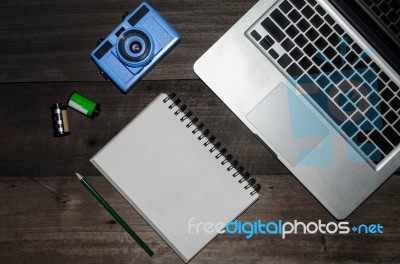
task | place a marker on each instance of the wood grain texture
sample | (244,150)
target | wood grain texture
(46,215)
(55,220)
(51,40)
(28,147)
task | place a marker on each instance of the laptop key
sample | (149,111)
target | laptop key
(369,76)
(378,85)
(329,53)
(321,43)
(255,35)
(360,138)
(367,127)
(387,95)
(391,135)
(381,142)
(272,29)
(383,108)
(327,68)
(393,16)
(292,31)
(358,118)
(318,58)
(270,40)
(363,105)
(312,34)
(294,16)
(377,157)
(273,54)
(367,59)
(394,5)
(384,77)
(316,21)
(338,61)
(336,77)
(393,86)
(303,25)
(285,6)
(320,10)
(348,39)
(352,58)
(305,63)
(380,123)
(397,126)
(395,29)
(371,114)
(300,40)
(349,128)
(391,117)
(357,48)
(314,72)
(334,39)
(335,113)
(325,30)
(385,20)
(329,19)
(360,67)
(368,147)
(294,71)
(298,3)
(296,53)
(310,49)
(312,2)
(323,83)
(265,44)
(375,67)
(287,44)
(284,61)
(280,18)
(384,7)
(338,29)
(395,103)
(307,12)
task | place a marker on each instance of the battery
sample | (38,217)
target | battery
(84,105)
(59,119)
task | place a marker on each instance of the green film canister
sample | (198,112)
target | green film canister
(84,105)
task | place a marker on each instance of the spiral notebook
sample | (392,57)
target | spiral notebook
(176,175)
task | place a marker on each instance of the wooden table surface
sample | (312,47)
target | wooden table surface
(46,216)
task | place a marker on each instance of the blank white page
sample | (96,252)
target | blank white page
(169,177)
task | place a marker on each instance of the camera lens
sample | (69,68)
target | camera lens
(136,47)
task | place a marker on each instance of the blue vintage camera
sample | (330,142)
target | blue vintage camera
(134,47)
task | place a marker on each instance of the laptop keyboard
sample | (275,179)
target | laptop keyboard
(339,77)
(386,12)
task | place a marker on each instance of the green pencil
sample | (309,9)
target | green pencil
(115,215)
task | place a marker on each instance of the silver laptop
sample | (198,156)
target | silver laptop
(318,84)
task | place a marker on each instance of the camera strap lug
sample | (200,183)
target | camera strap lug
(104,76)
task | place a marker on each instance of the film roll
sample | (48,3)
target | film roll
(84,105)
(59,119)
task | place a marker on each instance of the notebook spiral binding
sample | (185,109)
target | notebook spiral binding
(210,140)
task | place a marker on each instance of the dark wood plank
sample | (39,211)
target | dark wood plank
(55,220)
(51,40)
(28,147)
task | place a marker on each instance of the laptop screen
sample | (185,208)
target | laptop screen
(378,22)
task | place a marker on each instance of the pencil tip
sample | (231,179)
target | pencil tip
(79,176)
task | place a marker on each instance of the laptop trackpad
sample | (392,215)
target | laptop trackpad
(287,123)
